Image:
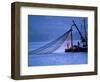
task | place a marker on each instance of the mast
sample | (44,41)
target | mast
(85,29)
(71,37)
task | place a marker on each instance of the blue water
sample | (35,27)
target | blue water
(58,57)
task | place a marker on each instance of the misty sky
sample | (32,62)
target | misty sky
(47,28)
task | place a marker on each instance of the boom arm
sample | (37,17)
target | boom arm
(78,31)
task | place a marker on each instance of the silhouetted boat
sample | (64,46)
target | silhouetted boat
(78,48)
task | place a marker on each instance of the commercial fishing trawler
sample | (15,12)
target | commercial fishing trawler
(83,41)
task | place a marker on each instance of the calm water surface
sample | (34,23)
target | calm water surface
(59,57)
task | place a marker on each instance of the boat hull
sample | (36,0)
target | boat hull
(76,50)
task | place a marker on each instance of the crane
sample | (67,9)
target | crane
(82,38)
